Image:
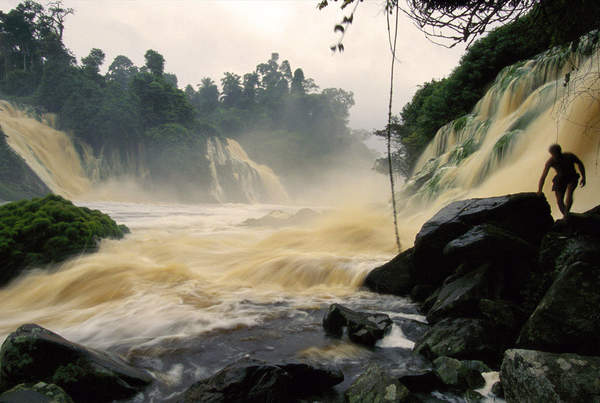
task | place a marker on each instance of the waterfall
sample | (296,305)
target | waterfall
(235,177)
(79,173)
(48,152)
(501,147)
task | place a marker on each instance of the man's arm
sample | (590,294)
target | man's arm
(581,169)
(544,174)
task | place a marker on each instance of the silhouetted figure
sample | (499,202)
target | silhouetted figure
(565,181)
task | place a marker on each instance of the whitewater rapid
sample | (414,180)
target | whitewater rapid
(190,269)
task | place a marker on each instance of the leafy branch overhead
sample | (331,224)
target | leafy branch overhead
(450,22)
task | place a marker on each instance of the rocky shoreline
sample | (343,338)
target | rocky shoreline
(504,288)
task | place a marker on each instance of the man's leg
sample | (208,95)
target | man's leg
(560,195)
(569,196)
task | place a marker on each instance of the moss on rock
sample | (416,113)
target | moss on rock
(48,230)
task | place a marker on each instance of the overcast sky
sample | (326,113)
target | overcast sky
(200,38)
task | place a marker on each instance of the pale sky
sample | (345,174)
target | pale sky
(200,38)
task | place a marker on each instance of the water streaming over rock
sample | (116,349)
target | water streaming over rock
(235,177)
(501,147)
(48,152)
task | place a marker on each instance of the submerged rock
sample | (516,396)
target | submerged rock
(39,393)
(375,385)
(278,218)
(257,381)
(32,354)
(535,376)
(364,328)
(394,277)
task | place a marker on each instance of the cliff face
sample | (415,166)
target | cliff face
(17,180)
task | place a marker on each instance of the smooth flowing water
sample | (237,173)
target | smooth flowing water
(193,288)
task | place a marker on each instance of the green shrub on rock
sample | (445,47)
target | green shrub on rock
(47,230)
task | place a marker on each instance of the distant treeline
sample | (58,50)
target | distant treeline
(131,108)
(436,103)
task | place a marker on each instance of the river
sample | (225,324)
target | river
(193,288)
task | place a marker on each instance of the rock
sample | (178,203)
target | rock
(39,393)
(278,218)
(461,338)
(257,381)
(32,354)
(473,396)
(374,385)
(477,365)
(421,292)
(486,242)
(456,374)
(364,328)
(311,378)
(580,224)
(498,390)
(535,376)
(243,382)
(417,374)
(459,298)
(502,314)
(567,318)
(526,215)
(393,277)
(412,329)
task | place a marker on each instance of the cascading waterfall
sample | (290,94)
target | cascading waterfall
(48,152)
(51,154)
(236,177)
(501,147)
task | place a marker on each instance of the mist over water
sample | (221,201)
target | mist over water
(194,287)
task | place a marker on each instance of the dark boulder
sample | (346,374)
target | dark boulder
(257,381)
(393,277)
(39,393)
(375,385)
(526,215)
(580,224)
(32,354)
(363,328)
(567,319)
(421,292)
(457,375)
(486,242)
(535,376)
(461,338)
(498,390)
(460,297)
(311,378)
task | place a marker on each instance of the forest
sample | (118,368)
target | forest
(138,112)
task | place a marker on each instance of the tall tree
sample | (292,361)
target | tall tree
(155,62)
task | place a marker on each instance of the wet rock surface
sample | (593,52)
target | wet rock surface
(35,393)
(375,385)
(257,381)
(363,328)
(394,277)
(32,354)
(535,376)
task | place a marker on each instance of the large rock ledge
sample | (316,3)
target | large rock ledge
(535,376)
(498,273)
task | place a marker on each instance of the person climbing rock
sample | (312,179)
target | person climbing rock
(566,179)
